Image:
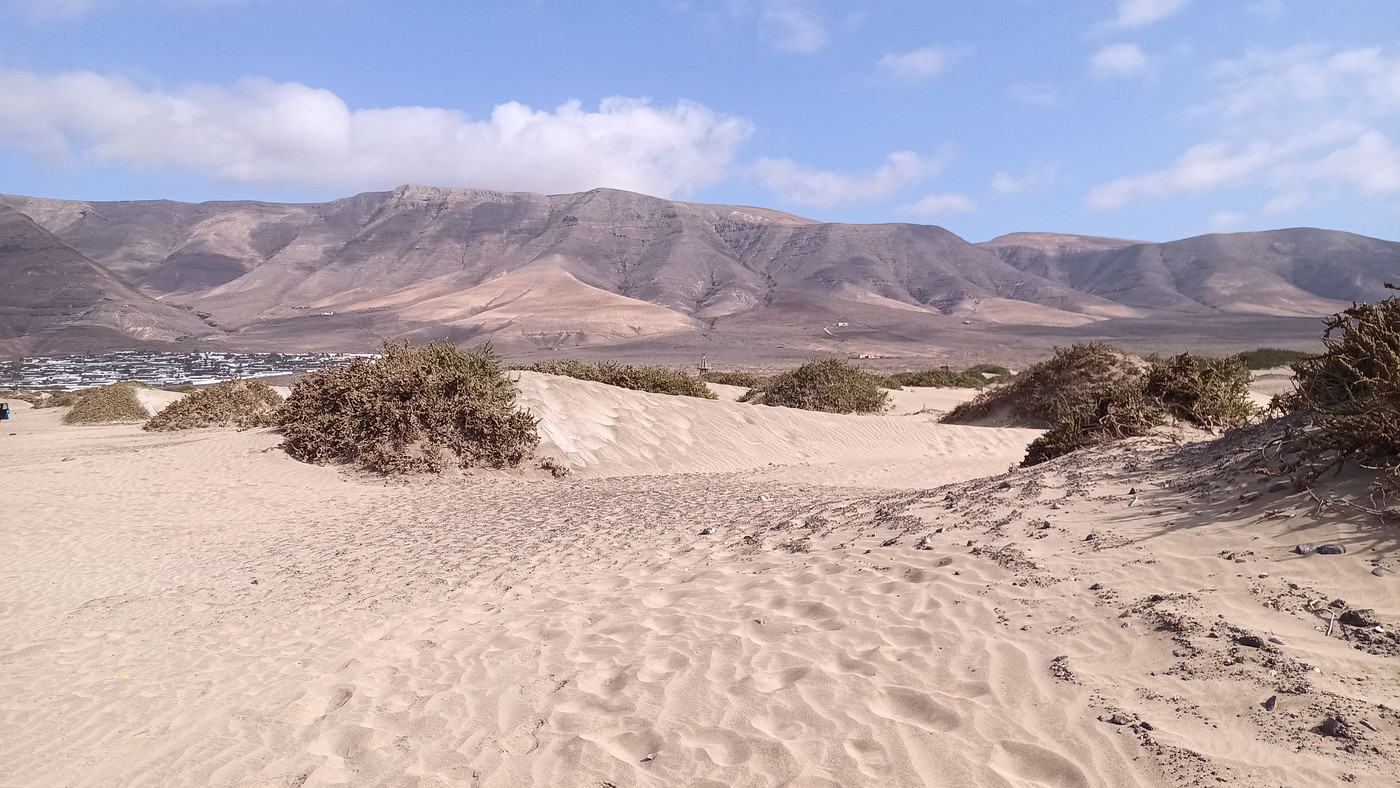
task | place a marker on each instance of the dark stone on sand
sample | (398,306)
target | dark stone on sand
(1270,702)
(1305,549)
(1119,719)
(706,531)
(1096,587)
(1252,641)
(1335,726)
(1132,491)
(1331,549)
(1365,617)
(1278,487)
(1276,641)
(890,542)
(1147,726)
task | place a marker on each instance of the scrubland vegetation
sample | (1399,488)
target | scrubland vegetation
(414,409)
(826,385)
(653,379)
(1271,357)
(1352,390)
(243,404)
(107,404)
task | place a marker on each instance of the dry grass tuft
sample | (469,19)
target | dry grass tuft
(243,404)
(108,404)
(415,409)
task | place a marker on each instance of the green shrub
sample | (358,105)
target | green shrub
(1270,357)
(653,379)
(1353,388)
(1208,392)
(989,369)
(233,403)
(749,380)
(413,409)
(827,385)
(939,378)
(1048,392)
(107,404)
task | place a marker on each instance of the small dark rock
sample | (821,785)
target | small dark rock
(1365,617)
(970,543)
(1118,719)
(1270,702)
(1132,491)
(1096,587)
(1335,726)
(1340,604)
(1147,726)
(890,542)
(1279,487)
(1252,641)
(1305,549)
(938,530)
(1331,549)
(1239,560)
(925,544)
(255,582)
(1276,641)
(707,531)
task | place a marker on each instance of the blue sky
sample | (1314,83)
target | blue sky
(1150,119)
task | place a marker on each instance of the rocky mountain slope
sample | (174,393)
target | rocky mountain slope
(536,273)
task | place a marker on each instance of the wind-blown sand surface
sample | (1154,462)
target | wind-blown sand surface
(199,609)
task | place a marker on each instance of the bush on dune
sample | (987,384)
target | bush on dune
(653,379)
(1353,388)
(243,404)
(1048,392)
(748,380)
(108,404)
(414,409)
(827,385)
(1093,393)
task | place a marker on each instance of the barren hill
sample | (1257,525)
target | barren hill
(621,271)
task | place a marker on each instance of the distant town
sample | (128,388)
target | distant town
(159,369)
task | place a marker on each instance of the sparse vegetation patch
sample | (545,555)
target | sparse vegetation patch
(827,385)
(653,379)
(414,409)
(243,404)
(1270,357)
(937,378)
(108,404)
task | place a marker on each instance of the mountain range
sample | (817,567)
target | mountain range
(615,272)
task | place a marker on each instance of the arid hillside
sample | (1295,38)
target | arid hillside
(631,274)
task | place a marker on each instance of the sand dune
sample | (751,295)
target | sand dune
(199,609)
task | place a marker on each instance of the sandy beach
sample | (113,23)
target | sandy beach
(719,594)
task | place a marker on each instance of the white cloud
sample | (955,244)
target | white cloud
(800,184)
(1038,176)
(1038,94)
(1119,60)
(268,133)
(939,205)
(1199,169)
(1140,13)
(921,64)
(795,26)
(1302,122)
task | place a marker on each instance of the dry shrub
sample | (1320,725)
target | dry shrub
(243,404)
(107,404)
(1208,392)
(1093,393)
(1051,391)
(25,395)
(1353,388)
(826,385)
(653,379)
(414,409)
